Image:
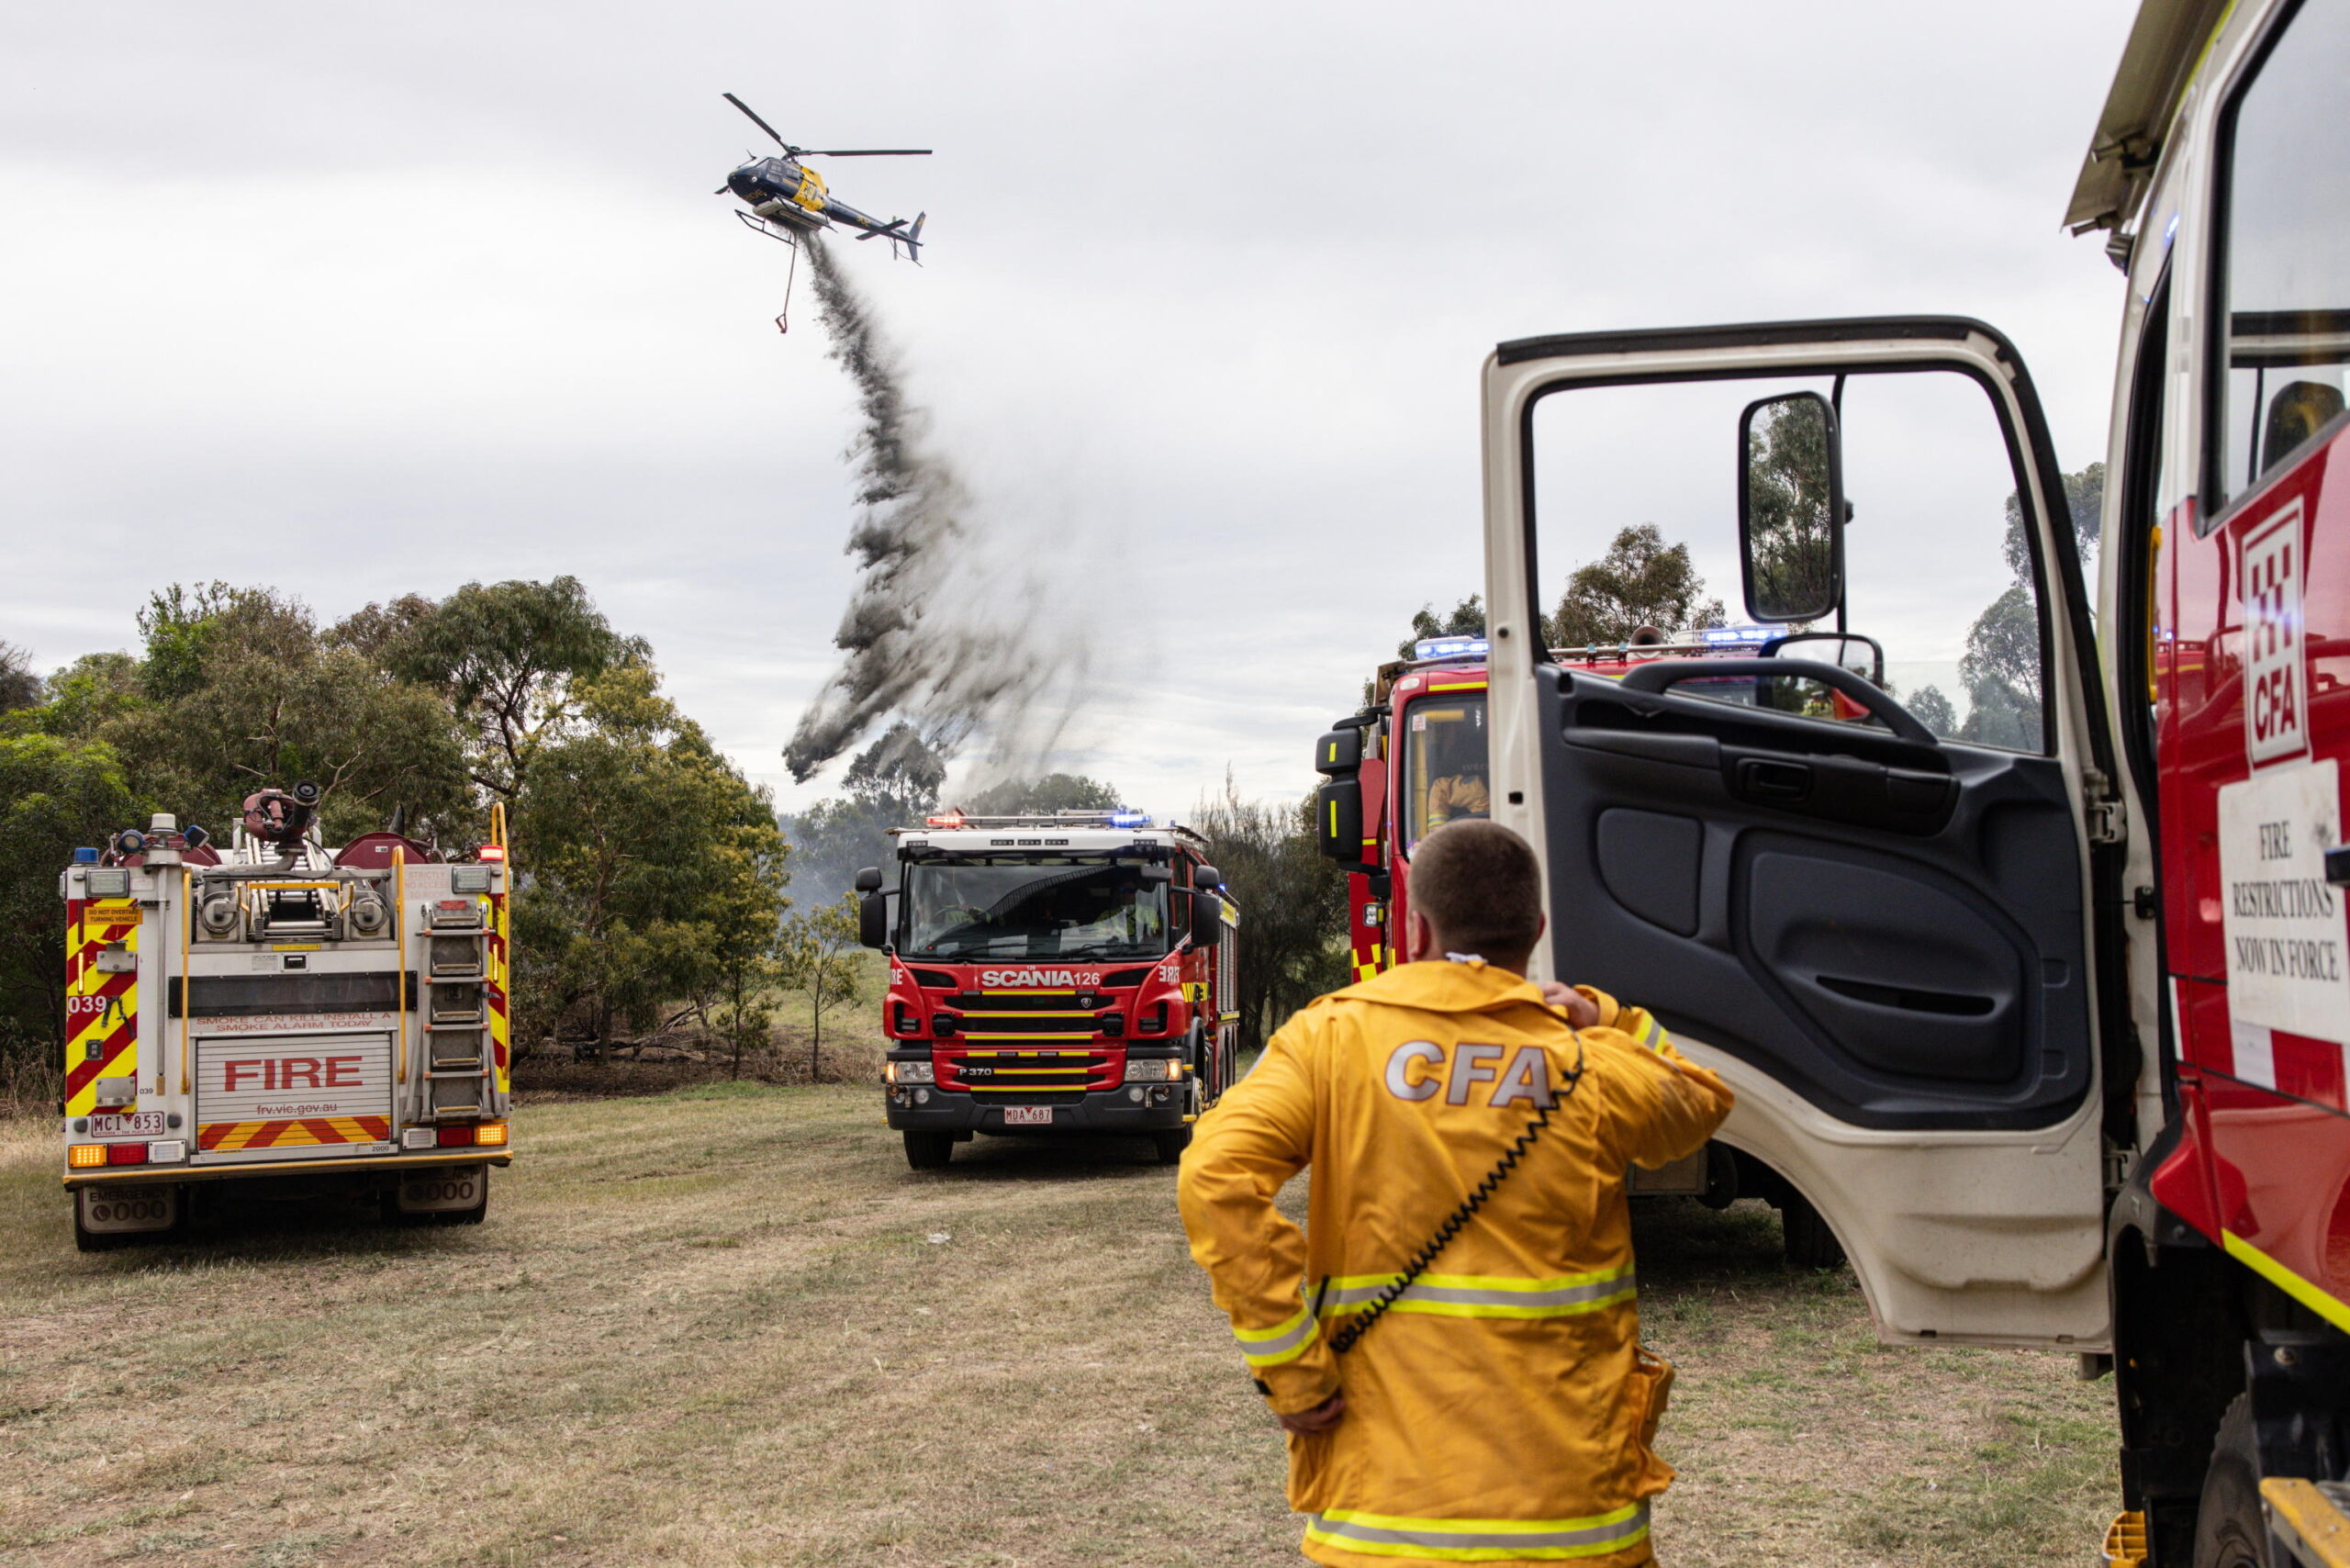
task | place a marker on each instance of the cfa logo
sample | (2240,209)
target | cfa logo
(1525,1080)
(294,1072)
(2275,698)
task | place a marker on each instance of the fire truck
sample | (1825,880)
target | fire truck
(1415,758)
(2032,977)
(289,1019)
(1063,973)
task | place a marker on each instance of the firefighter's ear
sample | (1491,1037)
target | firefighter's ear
(1419,937)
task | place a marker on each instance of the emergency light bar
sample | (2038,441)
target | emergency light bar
(1738,637)
(1121,818)
(1451,648)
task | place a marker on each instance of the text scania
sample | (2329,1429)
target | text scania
(1039,977)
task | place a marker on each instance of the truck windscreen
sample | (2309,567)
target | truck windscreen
(1444,764)
(1033,907)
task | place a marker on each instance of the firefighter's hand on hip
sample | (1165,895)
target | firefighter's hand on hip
(1321,1419)
(1581,1011)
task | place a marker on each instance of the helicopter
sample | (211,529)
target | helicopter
(786,191)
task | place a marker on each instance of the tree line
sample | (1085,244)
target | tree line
(652,876)
(651,872)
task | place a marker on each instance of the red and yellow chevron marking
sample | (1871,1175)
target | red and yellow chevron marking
(494,972)
(101,1010)
(226,1138)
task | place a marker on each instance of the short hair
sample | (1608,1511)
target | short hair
(1479,887)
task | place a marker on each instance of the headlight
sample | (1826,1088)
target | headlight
(1152,1070)
(911,1072)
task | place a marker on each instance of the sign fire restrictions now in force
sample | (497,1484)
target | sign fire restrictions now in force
(2287,966)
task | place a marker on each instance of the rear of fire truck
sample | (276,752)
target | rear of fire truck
(1416,757)
(1066,973)
(282,1020)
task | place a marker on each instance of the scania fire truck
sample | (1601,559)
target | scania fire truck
(285,1017)
(2034,977)
(1071,973)
(1415,758)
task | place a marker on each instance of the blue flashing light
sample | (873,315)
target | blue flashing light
(1739,636)
(85,857)
(1451,648)
(1129,819)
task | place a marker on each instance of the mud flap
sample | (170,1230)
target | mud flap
(450,1190)
(125,1211)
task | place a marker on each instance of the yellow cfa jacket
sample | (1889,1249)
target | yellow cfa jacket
(1502,1411)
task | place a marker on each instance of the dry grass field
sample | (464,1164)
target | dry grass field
(726,1325)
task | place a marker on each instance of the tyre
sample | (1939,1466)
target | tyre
(1809,1243)
(1172,1142)
(929,1151)
(86,1240)
(2231,1531)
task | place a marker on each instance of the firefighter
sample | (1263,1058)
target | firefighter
(1459,796)
(1498,1408)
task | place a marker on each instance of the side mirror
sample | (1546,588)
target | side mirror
(1864,656)
(1339,752)
(1207,919)
(1206,877)
(868,880)
(873,920)
(1337,821)
(1791,507)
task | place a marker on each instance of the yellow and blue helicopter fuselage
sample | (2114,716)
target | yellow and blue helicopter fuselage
(785,191)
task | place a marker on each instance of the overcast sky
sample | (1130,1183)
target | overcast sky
(362,302)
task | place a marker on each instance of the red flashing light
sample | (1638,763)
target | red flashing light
(490,852)
(954,821)
(126,1154)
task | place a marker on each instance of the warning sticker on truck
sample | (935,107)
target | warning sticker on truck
(2287,964)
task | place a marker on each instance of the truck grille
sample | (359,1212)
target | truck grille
(1019,1026)
(1027,1073)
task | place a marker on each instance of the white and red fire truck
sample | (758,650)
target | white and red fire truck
(288,1018)
(2034,978)
(1064,973)
(1413,758)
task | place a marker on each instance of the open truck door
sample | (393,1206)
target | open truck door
(1866,891)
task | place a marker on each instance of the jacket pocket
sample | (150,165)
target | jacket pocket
(1650,1390)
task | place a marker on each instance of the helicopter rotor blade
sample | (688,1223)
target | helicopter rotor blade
(863,152)
(762,125)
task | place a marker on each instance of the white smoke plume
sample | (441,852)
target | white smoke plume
(939,630)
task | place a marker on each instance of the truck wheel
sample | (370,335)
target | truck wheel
(2231,1530)
(1172,1142)
(85,1241)
(929,1151)
(1809,1243)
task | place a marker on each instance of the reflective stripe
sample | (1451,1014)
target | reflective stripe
(1653,1035)
(1284,1342)
(1472,1540)
(1482,1295)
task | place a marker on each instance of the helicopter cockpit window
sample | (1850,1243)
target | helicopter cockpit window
(1444,764)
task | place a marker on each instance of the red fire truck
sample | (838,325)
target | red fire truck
(283,1019)
(2032,979)
(1071,973)
(1413,758)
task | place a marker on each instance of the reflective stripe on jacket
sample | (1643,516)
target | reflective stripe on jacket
(1502,1411)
